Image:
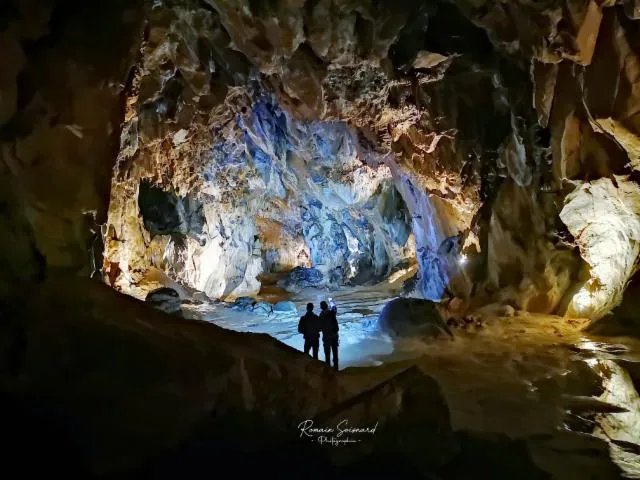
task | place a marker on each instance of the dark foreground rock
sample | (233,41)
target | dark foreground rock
(131,382)
(412,423)
(128,389)
(412,316)
(102,386)
(165,299)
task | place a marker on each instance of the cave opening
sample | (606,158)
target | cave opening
(272,198)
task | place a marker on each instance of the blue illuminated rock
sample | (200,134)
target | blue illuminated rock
(301,277)
(285,307)
(263,308)
(243,304)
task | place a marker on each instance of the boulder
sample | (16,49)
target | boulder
(200,297)
(285,307)
(405,417)
(262,308)
(604,217)
(301,277)
(244,304)
(165,299)
(412,317)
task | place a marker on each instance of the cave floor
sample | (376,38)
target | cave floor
(517,375)
(361,343)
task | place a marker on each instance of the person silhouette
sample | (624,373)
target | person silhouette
(329,327)
(309,327)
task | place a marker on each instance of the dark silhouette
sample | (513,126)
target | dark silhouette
(329,326)
(309,327)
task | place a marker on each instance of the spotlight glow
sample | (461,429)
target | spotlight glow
(463,259)
(592,362)
(588,345)
(582,301)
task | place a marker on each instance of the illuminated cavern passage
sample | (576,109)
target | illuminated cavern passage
(476,159)
(269,195)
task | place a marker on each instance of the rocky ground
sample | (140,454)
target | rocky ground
(175,395)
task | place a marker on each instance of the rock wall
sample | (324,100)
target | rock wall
(64,67)
(483,116)
(263,193)
(324,129)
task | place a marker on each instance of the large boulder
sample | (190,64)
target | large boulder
(165,299)
(405,418)
(412,317)
(285,307)
(301,277)
(263,308)
(244,304)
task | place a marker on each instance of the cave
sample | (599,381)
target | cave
(181,178)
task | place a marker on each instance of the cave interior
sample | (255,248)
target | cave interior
(179,178)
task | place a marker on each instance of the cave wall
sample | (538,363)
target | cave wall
(494,113)
(278,190)
(64,67)
(496,125)
(584,70)
(431,104)
(276,193)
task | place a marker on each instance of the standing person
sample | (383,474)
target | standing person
(309,327)
(329,325)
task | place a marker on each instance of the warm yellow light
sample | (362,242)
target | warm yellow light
(592,362)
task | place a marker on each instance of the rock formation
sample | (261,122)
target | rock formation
(412,317)
(301,140)
(305,138)
(206,142)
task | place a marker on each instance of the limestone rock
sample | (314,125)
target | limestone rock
(603,216)
(164,213)
(411,316)
(627,139)
(300,278)
(165,299)
(213,376)
(285,307)
(243,304)
(428,59)
(63,177)
(262,308)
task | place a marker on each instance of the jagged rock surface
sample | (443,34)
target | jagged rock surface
(399,75)
(604,217)
(436,99)
(165,299)
(412,317)
(64,69)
